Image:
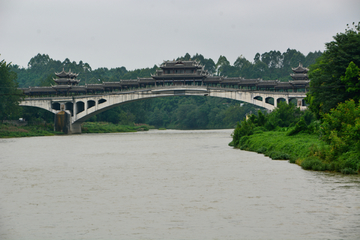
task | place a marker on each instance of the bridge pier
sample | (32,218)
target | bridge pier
(75,128)
(62,123)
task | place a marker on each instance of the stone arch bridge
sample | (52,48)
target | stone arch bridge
(82,107)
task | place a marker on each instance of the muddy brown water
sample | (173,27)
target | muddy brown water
(166,185)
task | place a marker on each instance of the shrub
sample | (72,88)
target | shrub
(261,150)
(315,164)
(259,130)
(270,125)
(279,155)
(350,160)
(334,166)
(292,159)
(341,127)
(300,126)
(348,171)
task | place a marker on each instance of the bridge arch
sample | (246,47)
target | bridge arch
(90,104)
(80,106)
(56,106)
(280,100)
(293,101)
(269,100)
(69,106)
(259,98)
(101,101)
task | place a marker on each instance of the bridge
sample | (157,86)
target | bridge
(79,108)
(74,104)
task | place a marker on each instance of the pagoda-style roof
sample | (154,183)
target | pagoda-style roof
(299,76)
(211,79)
(66,78)
(64,74)
(263,83)
(180,64)
(300,73)
(66,81)
(300,69)
(283,85)
(180,70)
(300,82)
(249,81)
(146,80)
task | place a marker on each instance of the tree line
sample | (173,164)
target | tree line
(268,66)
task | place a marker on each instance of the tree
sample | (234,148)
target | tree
(10,96)
(257,58)
(341,129)
(243,67)
(221,64)
(326,87)
(352,80)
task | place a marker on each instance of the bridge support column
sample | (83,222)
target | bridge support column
(62,122)
(75,128)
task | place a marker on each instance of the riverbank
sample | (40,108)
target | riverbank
(105,127)
(306,150)
(10,131)
(47,129)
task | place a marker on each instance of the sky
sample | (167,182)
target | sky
(140,33)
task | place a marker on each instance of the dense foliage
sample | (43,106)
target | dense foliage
(334,76)
(332,144)
(333,116)
(9,95)
(341,130)
(282,118)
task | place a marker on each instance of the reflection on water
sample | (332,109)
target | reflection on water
(166,185)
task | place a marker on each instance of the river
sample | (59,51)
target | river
(166,185)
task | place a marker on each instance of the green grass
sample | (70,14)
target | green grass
(9,131)
(306,150)
(105,127)
(279,145)
(47,129)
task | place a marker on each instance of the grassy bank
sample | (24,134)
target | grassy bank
(279,146)
(306,150)
(105,127)
(9,130)
(47,129)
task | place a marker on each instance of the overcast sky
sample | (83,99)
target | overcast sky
(140,33)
